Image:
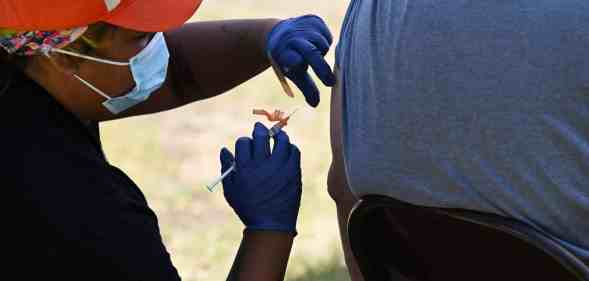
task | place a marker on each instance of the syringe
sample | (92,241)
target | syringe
(211,187)
(272,132)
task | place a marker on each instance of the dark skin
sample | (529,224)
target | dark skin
(338,186)
(235,45)
(238,45)
(263,255)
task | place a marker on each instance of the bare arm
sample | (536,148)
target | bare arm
(208,59)
(262,256)
(337,182)
(217,56)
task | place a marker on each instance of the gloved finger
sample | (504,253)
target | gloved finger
(320,25)
(314,58)
(281,150)
(316,39)
(227,159)
(295,154)
(295,163)
(243,151)
(291,169)
(261,142)
(306,84)
(294,160)
(291,61)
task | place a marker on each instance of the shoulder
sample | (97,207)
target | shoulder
(27,110)
(25,100)
(35,126)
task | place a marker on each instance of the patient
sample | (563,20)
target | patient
(478,105)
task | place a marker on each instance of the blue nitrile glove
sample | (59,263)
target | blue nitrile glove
(265,188)
(297,43)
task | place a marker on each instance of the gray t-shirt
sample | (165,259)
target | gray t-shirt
(481,105)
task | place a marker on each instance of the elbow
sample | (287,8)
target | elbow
(337,185)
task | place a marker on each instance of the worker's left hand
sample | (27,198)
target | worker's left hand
(265,188)
(297,43)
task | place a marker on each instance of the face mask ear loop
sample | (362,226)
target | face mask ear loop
(86,57)
(98,91)
(46,51)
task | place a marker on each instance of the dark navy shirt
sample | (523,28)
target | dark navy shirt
(69,214)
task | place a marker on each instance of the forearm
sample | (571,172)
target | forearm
(210,58)
(262,256)
(345,201)
(206,60)
(343,212)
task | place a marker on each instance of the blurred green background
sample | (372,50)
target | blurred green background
(173,155)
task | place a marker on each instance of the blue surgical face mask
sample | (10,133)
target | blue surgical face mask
(149,69)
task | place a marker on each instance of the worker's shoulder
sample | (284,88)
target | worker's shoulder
(30,116)
(24,101)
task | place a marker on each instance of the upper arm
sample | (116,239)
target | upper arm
(338,186)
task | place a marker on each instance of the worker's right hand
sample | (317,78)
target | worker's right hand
(299,43)
(265,188)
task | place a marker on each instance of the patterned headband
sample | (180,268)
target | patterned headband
(30,43)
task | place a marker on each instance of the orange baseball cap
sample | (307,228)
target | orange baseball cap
(140,15)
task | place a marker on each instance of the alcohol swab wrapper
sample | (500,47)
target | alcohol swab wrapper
(275,116)
(281,77)
(282,123)
(272,132)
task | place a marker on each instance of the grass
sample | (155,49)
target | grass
(328,270)
(173,155)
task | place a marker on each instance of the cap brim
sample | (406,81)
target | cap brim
(153,15)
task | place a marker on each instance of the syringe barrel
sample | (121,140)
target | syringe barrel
(274,130)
